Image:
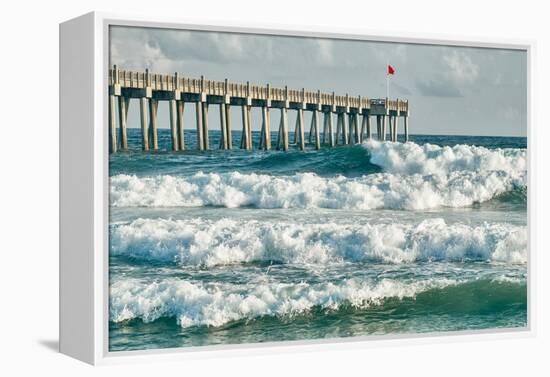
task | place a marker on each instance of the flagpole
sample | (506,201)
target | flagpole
(387,81)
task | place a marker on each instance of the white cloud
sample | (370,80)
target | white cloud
(462,68)
(325,51)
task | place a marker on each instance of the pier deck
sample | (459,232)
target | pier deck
(150,88)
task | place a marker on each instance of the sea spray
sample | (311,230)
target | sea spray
(200,242)
(214,304)
(308,190)
(414,177)
(428,159)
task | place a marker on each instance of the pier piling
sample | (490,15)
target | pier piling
(316,129)
(205,135)
(123,105)
(143,102)
(300,122)
(198,117)
(153,135)
(149,89)
(330,129)
(112,125)
(390,121)
(338,127)
(223,128)
(325,128)
(181,134)
(355,118)
(310,133)
(173,126)
(369,135)
(265,137)
(345,135)
(395,120)
(406,127)
(384,127)
(363,128)
(284,127)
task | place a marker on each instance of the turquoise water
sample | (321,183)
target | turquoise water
(226,247)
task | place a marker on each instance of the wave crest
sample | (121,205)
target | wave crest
(215,304)
(200,242)
(429,159)
(308,190)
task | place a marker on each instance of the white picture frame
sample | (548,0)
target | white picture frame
(84,182)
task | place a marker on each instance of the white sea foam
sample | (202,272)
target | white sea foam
(200,242)
(215,304)
(429,159)
(308,190)
(415,177)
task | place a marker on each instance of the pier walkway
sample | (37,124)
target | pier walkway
(353,114)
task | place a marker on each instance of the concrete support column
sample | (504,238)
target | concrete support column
(316,129)
(325,128)
(390,119)
(311,130)
(249,127)
(198,116)
(300,123)
(384,129)
(143,102)
(153,135)
(330,129)
(265,138)
(181,134)
(369,134)
(356,128)
(296,129)
(173,124)
(205,140)
(338,127)
(280,132)
(395,120)
(112,125)
(228,124)
(123,105)
(284,128)
(353,131)
(246,139)
(406,127)
(363,127)
(268,128)
(223,128)
(345,129)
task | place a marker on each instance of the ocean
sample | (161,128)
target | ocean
(382,238)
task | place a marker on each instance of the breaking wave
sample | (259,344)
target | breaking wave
(215,304)
(429,159)
(308,190)
(200,242)
(414,177)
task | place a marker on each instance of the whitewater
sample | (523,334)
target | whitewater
(415,177)
(380,238)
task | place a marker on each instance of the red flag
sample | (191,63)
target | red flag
(391,71)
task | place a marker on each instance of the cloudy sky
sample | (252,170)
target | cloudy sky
(452,90)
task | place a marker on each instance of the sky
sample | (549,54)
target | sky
(451,90)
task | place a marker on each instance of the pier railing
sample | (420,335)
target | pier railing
(166,82)
(150,88)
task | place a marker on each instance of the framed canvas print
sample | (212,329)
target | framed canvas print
(225,187)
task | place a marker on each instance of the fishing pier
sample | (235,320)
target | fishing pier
(353,114)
